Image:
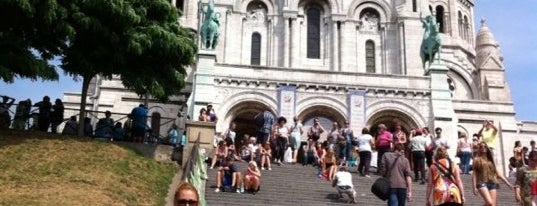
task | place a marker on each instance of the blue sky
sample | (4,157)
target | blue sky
(512,23)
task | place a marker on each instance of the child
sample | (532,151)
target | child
(351,162)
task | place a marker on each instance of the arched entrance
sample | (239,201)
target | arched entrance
(243,115)
(326,116)
(390,118)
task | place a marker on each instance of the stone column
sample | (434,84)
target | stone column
(335,46)
(205,130)
(295,47)
(203,91)
(442,110)
(286,46)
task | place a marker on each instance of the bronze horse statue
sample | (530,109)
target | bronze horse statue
(209,27)
(431,43)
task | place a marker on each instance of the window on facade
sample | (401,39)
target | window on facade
(459,23)
(414,6)
(314,33)
(179,4)
(255,55)
(466,26)
(440,18)
(370,56)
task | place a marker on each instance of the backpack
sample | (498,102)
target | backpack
(445,187)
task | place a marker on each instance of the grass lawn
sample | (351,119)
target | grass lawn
(46,169)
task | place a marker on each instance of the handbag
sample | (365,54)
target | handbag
(381,186)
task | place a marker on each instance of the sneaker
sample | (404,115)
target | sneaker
(238,191)
(210,168)
(367,176)
(422,182)
(269,168)
(217,190)
(262,168)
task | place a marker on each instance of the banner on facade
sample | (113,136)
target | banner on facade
(287,101)
(356,105)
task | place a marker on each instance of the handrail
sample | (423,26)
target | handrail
(89,113)
(195,170)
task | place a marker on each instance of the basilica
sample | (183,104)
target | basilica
(338,60)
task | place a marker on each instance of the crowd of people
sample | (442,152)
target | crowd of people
(401,157)
(48,117)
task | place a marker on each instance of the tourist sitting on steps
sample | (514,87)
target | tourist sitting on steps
(329,164)
(220,154)
(228,171)
(252,178)
(265,156)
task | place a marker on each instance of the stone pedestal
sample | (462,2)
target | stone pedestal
(203,91)
(205,131)
(443,114)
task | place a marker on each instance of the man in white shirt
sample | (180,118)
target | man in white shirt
(343,183)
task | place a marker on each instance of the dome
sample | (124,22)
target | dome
(484,36)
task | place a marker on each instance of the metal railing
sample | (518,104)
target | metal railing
(30,121)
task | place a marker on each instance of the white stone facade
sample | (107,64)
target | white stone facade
(469,87)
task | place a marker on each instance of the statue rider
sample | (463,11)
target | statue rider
(431,43)
(209,27)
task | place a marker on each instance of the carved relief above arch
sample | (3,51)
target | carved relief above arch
(242,5)
(356,7)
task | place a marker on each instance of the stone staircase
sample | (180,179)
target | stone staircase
(294,184)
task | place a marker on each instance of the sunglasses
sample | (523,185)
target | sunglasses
(184,202)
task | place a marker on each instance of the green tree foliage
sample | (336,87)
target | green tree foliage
(31,33)
(139,40)
(166,48)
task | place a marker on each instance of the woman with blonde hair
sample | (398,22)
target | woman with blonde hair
(186,194)
(329,164)
(252,178)
(485,176)
(444,182)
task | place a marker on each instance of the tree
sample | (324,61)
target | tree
(31,33)
(138,39)
(167,48)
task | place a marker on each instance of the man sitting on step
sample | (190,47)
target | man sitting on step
(228,171)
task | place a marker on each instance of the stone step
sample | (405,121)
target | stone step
(294,184)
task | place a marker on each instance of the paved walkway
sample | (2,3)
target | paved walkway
(298,185)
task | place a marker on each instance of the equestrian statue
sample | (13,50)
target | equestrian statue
(431,43)
(209,27)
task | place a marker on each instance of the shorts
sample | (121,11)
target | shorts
(262,137)
(489,185)
(346,189)
(293,141)
(250,177)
